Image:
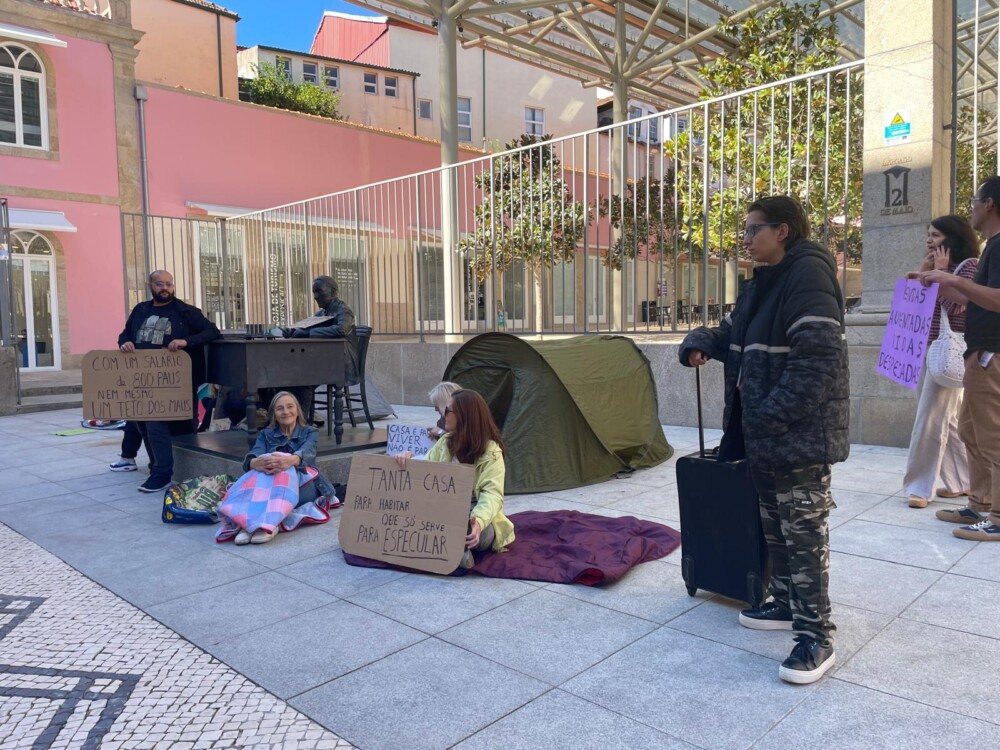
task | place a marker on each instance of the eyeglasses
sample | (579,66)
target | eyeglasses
(162,284)
(751,231)
(975,200)
(448,410)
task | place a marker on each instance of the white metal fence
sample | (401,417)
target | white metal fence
(627,228)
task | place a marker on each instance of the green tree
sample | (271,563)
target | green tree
(273,87)
(643,220)
(985,156)
(803,139)
(526,213)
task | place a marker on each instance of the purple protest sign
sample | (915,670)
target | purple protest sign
(904,344)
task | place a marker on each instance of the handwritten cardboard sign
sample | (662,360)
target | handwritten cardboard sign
(144,385)
(417,517)
(407,437)
(904,344)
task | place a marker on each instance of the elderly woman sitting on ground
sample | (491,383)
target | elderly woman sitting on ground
(282,487)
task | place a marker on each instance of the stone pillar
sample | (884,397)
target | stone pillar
(907,180)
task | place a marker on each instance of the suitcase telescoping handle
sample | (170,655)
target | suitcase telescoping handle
(701,426)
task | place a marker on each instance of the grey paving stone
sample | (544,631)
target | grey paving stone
(967,604)
(428,696)
(11,479)
(37,491)
(604,494)
(144,586)
(937,550)
(982,561)
(303,544)
(75,511)
(939,667)
(27,513)
(895,512)
(653,591)
(659,503)
(334,639)
(116,557)
(865,480)
(876,585)
(433,603)
(849,717)
(330,573)
(718,620)
(560,721)
(851,503)
(525,634)
(215,614)
(672,681)
(104,478)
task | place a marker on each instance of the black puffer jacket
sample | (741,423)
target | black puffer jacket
(784,345)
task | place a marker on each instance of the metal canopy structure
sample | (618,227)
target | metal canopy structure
(653,47)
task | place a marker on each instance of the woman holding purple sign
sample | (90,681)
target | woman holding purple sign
(935,447)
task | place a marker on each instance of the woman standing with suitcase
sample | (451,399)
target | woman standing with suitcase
(787,407)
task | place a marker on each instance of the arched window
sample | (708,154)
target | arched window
(23,120)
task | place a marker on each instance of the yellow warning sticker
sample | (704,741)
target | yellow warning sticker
(897,120)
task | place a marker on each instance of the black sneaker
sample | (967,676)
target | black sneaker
(807,663)
(154,485)
(767,616)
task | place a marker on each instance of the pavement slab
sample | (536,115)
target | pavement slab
(428,696)
(387,659)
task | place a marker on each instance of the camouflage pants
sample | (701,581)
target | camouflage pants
(794,508)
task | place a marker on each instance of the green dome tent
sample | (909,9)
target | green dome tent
(572,411)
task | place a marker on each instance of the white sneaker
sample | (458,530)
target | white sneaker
(124,464)
(263,537)
(243,537)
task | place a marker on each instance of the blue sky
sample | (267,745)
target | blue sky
(289,25)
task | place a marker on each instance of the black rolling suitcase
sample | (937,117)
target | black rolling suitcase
(722,541)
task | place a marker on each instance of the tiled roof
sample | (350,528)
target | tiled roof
(210,6)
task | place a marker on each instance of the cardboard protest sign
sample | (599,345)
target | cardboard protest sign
(417,517)
(904,344)
(144,385)
(406,437)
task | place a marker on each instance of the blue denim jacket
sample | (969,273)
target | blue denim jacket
(302,443)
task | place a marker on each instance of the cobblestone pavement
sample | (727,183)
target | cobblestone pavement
(80,668)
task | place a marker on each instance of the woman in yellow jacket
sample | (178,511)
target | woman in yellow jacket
(472,437)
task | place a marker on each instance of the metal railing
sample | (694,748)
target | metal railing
(975,82)
(627,228)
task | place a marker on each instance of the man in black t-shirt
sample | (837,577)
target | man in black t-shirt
(165,322)
(979,421)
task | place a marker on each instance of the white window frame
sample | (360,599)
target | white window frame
(19,76)
(534,121)
(29,320)
(654,130)
(335,77)
(564,276)
(464,119)
(371,87)
(390,85)
(635,128)
(430,109)
(283,65)
(306,75)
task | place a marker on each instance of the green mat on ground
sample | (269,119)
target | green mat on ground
(77,431)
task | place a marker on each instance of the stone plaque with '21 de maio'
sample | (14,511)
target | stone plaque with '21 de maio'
(142,386)
(417,517)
